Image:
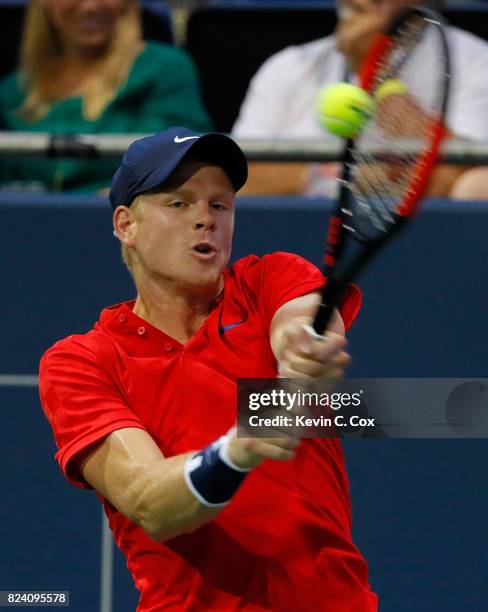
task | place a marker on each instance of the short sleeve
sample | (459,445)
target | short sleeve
(287,276)
(81,402)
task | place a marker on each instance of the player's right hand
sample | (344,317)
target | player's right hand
(247,453)
(304,354)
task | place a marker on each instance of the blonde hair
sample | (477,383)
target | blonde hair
(41,49)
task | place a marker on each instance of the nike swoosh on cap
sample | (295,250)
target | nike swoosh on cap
(178,139)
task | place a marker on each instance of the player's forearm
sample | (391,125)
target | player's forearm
(163,504)
(180,494)
(171,496)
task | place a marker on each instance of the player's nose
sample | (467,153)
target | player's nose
(204,217)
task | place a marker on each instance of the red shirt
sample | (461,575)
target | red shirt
(283,543)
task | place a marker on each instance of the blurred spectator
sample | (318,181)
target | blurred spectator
(85,68)
(280,101)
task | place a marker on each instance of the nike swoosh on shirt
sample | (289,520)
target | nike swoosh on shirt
(178,140)
(224,328)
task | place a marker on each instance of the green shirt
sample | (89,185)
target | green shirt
(162,91)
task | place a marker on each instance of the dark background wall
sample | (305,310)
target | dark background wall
(419,506)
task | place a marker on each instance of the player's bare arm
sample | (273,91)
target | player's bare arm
(130,471)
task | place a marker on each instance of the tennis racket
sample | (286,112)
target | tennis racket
(386,167)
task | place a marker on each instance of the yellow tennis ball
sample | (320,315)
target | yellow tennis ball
(344,109)
(390,87)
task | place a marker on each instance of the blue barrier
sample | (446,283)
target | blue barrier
(419,506)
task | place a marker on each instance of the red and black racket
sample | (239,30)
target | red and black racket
(387,166)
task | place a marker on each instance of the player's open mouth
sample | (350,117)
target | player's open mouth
(204,250)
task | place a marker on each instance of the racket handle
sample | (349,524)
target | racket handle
(322,317)
(331,298)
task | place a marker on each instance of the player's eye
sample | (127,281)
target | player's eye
(176,204)
(219,206)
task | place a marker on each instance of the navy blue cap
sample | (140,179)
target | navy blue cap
(151,160)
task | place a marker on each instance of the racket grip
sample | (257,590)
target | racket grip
(331,298)
(322,317)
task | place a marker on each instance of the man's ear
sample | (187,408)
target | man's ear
(124,222)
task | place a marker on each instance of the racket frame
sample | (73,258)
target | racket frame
(336,287)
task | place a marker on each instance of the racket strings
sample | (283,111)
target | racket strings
(388,157)
(385,202)
(406,39)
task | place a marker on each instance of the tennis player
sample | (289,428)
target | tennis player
(143,406)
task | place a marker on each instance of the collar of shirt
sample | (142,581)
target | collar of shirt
(139,338)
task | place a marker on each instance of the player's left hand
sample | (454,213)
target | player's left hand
(306,355)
